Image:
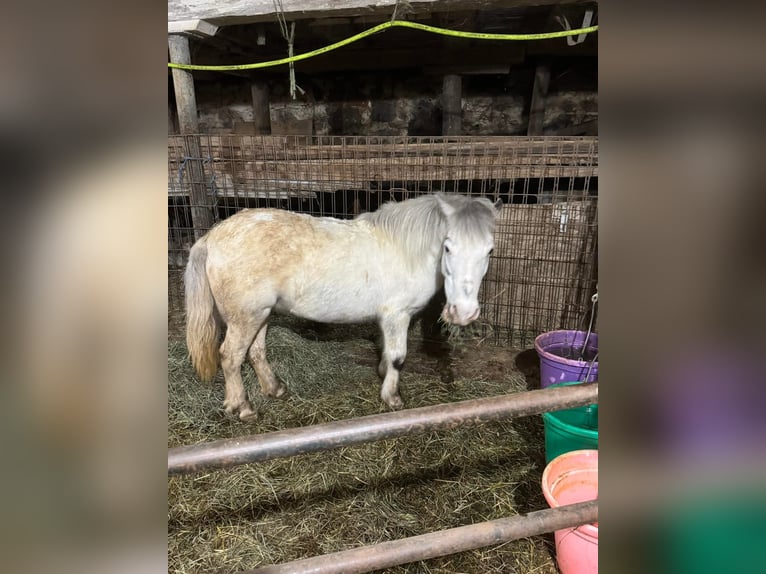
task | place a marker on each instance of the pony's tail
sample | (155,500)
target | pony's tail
(202,328)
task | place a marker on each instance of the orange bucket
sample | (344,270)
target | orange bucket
(570,478)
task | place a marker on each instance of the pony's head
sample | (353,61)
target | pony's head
(465,253)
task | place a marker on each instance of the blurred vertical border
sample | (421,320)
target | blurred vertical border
(83,408)
(682,288)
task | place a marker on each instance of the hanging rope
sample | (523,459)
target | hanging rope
(289,36)
(380,28)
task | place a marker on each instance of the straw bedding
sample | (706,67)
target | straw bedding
(282,510)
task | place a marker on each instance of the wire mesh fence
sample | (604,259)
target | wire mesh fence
(543,269)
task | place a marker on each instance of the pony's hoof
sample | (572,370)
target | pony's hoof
(276,391)
(241,408)
(394,402)
(247,414)
(447,377)
(280,391)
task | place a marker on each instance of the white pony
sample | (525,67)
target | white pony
(382,266)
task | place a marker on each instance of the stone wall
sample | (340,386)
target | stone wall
(391,105)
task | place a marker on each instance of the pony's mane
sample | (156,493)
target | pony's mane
(419,225)
(474,217)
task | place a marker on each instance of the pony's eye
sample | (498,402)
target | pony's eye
(446,249)
(491,251)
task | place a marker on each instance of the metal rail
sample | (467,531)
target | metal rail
(441,543)
(258,448)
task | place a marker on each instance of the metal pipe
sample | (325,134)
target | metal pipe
(442,543)
(258,448)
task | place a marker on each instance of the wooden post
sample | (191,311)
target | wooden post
(261,114)
(186,104)
(183,84)
(452,113)
(171,121)
(539,93)
(537,113)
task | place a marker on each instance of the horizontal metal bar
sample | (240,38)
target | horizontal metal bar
(441,543)
(257,448)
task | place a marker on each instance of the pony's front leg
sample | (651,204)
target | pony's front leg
(394,329)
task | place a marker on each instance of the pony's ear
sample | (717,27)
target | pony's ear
(446,208)
(496,207)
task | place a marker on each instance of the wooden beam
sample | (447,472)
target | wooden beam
(545,151)
(261,114)
(388,56)
(452,109)
(539,94)
(369,20)
(324,22)
(285,166)
(196,26)
(589,128)
(493,70)
(248,11)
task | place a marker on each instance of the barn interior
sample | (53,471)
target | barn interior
(394,115)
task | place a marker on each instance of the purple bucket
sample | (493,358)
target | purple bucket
(560,360)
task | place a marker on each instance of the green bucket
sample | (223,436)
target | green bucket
(570,429)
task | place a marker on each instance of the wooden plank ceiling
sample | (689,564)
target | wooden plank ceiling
(188,12)
(396,48)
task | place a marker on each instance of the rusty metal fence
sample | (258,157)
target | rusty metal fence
(543,270)
(228,453)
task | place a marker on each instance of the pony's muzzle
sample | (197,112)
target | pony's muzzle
(457,316)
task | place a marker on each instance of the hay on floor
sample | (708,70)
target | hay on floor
(282,510)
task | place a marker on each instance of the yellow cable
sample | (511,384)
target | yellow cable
(385,26)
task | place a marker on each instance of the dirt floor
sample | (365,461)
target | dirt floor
(282,510)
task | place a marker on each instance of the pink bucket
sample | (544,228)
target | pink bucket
(570,478)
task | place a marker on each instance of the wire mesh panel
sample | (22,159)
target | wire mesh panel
(543,270)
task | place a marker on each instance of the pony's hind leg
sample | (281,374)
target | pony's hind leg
(394,329)
(239,337)
(270,386)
